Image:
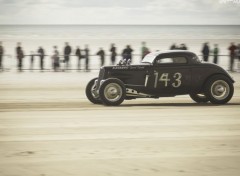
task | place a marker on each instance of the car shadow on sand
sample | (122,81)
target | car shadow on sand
(178,104)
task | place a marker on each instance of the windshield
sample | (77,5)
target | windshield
(149,58)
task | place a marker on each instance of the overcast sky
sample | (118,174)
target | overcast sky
(119,12)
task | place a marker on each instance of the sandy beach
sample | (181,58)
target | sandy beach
(49,128)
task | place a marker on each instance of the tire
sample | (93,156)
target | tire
(112,92)
(199,98)
(93,97)
(219,89)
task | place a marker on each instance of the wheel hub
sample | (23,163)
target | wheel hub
(220,89)
(113,92)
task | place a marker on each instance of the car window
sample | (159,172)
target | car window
(180,60)
(173,60)
(195,58)
(164,61)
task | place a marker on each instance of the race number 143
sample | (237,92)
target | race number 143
(165,79)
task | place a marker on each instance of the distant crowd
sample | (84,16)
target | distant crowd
(234,53)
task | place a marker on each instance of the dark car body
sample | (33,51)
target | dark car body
(156,79)
(162,74)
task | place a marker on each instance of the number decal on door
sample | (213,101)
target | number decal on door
(156,79)
(178,82)
(165,79)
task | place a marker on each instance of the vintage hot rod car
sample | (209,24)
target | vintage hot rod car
(162,74)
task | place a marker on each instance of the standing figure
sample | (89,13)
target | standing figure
(127,53)
(67,52)
(55,59)
(144,50)
(31,60)
(215,54)
(238,55)
(113,51)
(183,47)
(20,56)
(41,55)
(79,56)
(101,53)
(86,58)
(205,52)
(232,48)
(1,56)
(173,46)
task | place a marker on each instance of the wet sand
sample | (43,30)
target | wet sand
(48,127)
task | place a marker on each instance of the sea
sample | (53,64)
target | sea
(157,37)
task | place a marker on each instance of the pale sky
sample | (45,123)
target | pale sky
(120,12)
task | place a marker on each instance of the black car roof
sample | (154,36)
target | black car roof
(173,51)
(151,56)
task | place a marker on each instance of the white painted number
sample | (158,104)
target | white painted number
(164,78)
(177,77)
(156,79)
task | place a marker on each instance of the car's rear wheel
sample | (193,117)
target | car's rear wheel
(112,92)
(219,89)
(91,92)
(199,98)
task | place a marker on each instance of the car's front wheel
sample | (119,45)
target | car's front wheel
(91,93)
(199,98)
(219,89)
(112,92)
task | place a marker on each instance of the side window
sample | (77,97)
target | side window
(173,60)
(180,60)
(165,61)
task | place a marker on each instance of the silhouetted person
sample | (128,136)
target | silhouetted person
(1,56)
(101,54)
(127,53)
(215,54)
(20,56)
(205,52)
(31,60)
(41,55)
(113,51)
(232,48)
(79,56)
(86,50)
(144,50)
(55,59)
(183,47)
(238,55)
(173,46)
(67,52)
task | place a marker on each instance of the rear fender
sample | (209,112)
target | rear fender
(228,76)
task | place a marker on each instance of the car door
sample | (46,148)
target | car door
(172,75)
